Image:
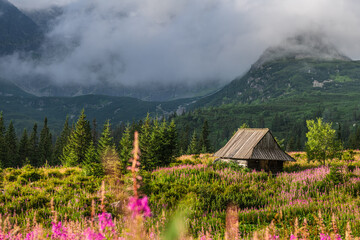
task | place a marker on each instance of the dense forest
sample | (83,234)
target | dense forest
(194,132)
(82,144)
(287,122)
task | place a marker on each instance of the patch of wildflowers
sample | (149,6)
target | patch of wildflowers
(105,221)
(139,206)
(59,232)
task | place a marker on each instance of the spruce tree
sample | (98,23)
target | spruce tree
(155,147)
(144,140)
(125,150)
(92,165)
(2,152)
(45,145)
(2,125)
(78,143)
(184,138)
(194,145)
(204,138)
(168,143)
(24,149)
(61,141)
(34,145)
(94,132)
(172,140)
(2,142)
(12,157)
(105,140)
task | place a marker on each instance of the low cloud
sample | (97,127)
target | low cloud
(175,41)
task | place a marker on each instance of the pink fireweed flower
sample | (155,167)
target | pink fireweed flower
(274,237)
(292,237)
(91,235)
(105,221)
(59,232)
(30,236)
(205,238)
(139,206)
(324,236)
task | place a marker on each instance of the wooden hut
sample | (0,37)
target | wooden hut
(255,149)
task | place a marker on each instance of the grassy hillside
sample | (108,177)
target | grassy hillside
(289,77)
(282,95)
(198,197)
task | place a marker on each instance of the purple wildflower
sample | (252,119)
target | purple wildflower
(324,236)
(91,235)
(338,237)
(59,232)
(105,221)
(139,206)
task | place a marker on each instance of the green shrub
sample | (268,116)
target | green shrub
(30,175)
(55,174)
(11,174)
(348,155)
(335,176)
(219,165)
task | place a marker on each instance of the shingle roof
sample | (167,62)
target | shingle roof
(243,145)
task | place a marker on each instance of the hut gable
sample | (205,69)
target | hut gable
(242,144)
(253,144)
(268,149)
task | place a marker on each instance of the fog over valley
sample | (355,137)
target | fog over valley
(137,42)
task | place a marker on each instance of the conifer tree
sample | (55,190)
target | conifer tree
(45,145)
(94,132)
(24,149)
(2,141)
(12,158)
(168,143)
(144,140)
(184,138)
(204,138)
(61,141)
(92,165)
(155,147)
(78,143)
(125,146)
(34,145)
(193,146)
(172,138)
(105,140)
(2,125)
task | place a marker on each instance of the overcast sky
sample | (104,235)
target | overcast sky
(135,41)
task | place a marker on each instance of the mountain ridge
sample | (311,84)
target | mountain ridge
(18,31)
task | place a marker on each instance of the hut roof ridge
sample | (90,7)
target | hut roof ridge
(245,140)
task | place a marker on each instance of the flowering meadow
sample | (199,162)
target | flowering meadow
(198,200)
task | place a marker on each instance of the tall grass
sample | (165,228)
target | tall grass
(199,200)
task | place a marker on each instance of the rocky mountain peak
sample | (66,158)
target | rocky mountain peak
(301,46)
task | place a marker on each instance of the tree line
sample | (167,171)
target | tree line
(80,144)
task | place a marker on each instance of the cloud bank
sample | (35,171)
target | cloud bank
(175,41)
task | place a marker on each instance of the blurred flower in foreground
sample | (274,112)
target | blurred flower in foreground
(139,206)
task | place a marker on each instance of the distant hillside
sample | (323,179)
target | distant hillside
(304,63)
(288,77)
(25,109)
(17,31)
(146,91)
(286,86)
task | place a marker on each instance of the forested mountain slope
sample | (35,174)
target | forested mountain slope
(285,87)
